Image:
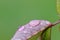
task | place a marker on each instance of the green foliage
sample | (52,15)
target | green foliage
(47,34)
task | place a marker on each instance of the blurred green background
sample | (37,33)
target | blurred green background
(18,12)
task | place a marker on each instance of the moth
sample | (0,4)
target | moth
(30,29)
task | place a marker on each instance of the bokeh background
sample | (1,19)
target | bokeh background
(18,12)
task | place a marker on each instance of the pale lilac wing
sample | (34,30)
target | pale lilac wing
(30,29)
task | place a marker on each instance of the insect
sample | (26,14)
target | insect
(30,29)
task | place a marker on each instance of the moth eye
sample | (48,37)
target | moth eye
(34,22)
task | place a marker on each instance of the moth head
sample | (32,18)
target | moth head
(40,23)
(45,23)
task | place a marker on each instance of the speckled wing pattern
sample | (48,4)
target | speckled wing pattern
(32,28)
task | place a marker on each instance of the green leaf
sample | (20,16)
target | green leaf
(47,34)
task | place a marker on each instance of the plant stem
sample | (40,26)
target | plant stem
(57,22)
